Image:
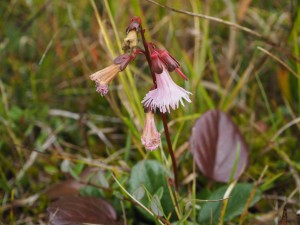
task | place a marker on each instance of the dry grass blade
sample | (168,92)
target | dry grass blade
(225,202)
(279,60)
(218,20)
(243,7)
(21,202)
(288,125)
(252,194)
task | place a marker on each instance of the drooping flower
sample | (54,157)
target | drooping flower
(106,75)
(167,94)
(150,137)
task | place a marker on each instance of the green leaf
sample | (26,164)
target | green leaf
(270,182)
(156,207)
(76,170)
(139,193)
(151,175)
(181,222)
(51,169)
(237,201)
(184,219)
(91,191)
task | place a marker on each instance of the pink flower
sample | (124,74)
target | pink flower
(150,137)
(106,75)
(167,94)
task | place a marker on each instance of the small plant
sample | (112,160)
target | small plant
(193,120)
(148,186)
(164,95)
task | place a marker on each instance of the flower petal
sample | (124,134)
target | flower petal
(167,94)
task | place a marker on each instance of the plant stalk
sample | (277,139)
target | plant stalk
(163,115)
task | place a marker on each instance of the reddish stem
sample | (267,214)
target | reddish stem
(163,115)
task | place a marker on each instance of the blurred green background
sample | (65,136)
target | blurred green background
(50,113)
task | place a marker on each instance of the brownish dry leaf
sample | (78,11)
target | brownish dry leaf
(79,210)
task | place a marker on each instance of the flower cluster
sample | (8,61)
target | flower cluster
(164,95)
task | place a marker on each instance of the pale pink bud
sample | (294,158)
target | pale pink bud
(150,137)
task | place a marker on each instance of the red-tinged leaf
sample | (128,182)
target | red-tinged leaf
(79,210)
(214,143)
(69,187)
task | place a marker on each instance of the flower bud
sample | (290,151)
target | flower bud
(170,62)
(156,63)
(131,40)
(135,24)
(123,60)
(150,137)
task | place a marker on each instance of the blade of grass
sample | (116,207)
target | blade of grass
(280,61)
(200,60)
(236,162)
(295,40)
(196,65)
(252,195)
(225,202)
(136,201)
(263,93)
(228,101)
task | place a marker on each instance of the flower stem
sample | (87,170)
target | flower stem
(167,134)
(163,115)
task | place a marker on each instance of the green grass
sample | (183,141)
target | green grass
(48,49)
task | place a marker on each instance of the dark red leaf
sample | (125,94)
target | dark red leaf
(214,143)
(79,210)
(70,187)
(65,188)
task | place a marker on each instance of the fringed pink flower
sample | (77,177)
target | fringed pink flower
(167,94)
(150,137)
(106,75)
